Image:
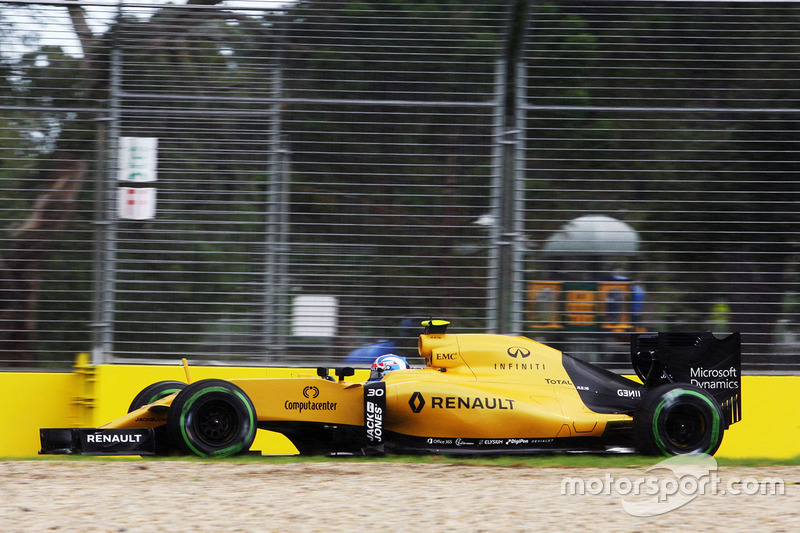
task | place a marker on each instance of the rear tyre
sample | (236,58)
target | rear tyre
(212,418)
(677,419)
(153,393)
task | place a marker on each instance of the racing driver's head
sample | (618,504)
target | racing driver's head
(387,363)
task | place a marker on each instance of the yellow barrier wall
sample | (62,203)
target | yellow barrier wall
(91,396)
(31,401)
(770,425)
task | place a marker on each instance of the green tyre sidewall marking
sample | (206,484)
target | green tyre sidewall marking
(230,450)
(162,394)
(155,392)
(715,422)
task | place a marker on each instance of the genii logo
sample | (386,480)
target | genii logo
(518,351)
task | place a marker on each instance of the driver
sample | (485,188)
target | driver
(387,363)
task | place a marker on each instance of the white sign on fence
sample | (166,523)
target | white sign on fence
(314,315)
(136,203)
(138,158)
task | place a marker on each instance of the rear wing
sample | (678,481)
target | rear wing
(699,359)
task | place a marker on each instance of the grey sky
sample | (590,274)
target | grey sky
(28,25)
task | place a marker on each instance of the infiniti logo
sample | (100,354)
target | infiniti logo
(518,351)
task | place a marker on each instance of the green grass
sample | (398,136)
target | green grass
(531,461)
(505,461)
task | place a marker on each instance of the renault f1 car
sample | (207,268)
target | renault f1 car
(478,393)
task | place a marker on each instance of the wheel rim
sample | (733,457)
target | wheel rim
(685,426)
(215,422)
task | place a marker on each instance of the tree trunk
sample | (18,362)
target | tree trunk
(31,241)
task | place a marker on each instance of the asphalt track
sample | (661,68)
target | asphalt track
(175,495)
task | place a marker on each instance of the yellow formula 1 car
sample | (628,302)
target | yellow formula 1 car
(478,393)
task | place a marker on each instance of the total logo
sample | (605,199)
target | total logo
(550,381)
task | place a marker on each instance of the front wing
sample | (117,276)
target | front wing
(92,441)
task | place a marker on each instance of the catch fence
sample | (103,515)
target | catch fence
(330,173)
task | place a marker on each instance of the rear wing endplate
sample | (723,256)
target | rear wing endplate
(699,359)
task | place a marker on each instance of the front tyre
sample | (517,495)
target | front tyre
(155,392)
(677,419)
(212,418)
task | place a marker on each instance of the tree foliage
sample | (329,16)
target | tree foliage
(646,121)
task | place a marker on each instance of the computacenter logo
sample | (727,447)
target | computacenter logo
(669,485)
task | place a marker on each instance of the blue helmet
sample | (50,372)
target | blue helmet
(387,363)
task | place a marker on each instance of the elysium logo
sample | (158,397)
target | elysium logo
(518,351)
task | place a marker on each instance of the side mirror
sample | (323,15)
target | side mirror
(344,372)
(323,373)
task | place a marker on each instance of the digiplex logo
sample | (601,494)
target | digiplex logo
(518,351)
(416,402)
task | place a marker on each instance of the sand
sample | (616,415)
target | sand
(179,495)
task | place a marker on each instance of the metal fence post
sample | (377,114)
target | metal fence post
(507,236)
(106,226)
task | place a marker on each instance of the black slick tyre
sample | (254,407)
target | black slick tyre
(155,392)
(212,418)
(677,419)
